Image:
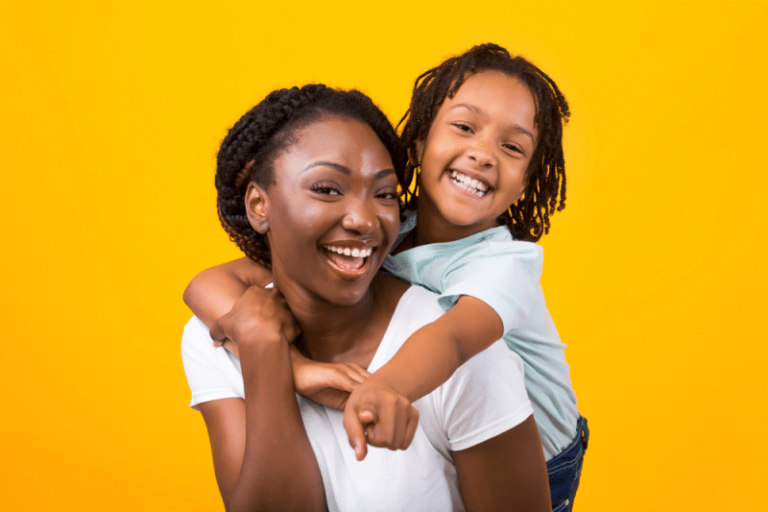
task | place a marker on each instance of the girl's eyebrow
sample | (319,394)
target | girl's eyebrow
(346,170)
(479,112)
(475,110)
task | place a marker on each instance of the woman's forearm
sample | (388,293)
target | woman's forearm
(262,454)
(279,471)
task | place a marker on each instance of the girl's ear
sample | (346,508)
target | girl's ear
(414,157)
(257,208)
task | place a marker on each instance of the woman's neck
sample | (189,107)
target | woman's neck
(333,333)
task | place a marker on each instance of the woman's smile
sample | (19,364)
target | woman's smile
(335,196)
(349,258)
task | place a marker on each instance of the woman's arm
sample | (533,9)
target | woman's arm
(505,473)
(426,360)
(262,456)
(213,292)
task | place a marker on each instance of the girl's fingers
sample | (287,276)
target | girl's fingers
(355,433)
(413,423)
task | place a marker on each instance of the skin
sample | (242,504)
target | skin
(487,133)
(342,314)
(335,186)
(212,296)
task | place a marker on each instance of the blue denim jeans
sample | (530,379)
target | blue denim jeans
(565,469)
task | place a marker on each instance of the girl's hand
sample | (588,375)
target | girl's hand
(260,315)
(378,415)
(326,383)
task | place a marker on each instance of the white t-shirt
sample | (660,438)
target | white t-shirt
(484,398)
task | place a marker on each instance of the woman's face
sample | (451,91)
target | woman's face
(332,213)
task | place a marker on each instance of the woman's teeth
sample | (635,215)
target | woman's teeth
(346,251)
(470,185)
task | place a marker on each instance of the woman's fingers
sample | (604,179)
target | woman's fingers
(348,376)
(217,333)
(231,347)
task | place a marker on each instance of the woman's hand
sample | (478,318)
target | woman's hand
(328,384)
(378,415)
(260,314)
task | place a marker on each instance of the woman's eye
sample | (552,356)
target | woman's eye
(389,194)
(329,190)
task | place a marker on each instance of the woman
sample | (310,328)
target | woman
(307,184)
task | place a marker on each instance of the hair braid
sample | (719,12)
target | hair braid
(528,219)
(244,156)
(252,144)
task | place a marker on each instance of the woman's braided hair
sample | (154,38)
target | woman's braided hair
(254,142)
(528,219)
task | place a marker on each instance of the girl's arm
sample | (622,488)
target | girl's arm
(505,473)
(262,456)
(213,292)
(426,360)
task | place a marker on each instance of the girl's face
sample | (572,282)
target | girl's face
(332,213)
(474,161)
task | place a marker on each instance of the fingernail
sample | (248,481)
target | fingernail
(358,450)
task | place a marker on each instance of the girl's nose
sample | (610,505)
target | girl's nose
(360,218)
(482,154)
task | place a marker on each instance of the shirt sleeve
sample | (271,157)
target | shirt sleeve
(504,274)
(485,397)
(211,374)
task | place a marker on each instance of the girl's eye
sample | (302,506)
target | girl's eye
(326,189)
(463,127)
(514,148)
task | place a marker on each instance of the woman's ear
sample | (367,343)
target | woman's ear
(257,208)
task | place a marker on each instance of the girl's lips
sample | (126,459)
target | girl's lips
(468,185)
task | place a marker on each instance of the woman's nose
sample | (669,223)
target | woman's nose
(361,217)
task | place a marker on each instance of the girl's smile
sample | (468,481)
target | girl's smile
(474,161)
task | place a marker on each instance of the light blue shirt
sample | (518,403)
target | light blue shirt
(504,274)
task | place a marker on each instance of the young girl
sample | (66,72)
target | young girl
(484,141)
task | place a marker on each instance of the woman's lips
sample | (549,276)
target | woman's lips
(349,261)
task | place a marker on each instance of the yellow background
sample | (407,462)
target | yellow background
(655,273)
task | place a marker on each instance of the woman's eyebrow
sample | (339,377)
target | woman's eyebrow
(383,174)
(322,163)
(346,170)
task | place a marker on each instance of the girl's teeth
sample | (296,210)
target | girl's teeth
(355,253)
(470,185)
